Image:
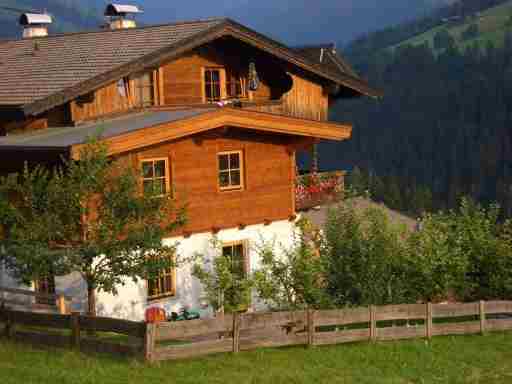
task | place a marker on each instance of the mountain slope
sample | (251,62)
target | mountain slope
(492,23)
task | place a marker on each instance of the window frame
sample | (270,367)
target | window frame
(245,250)
(167,177)
(170,273)
(239,187)
(222,83)
(136,89)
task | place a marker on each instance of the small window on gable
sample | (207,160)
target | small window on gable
(212,85)
(143,89)
(163,285)
(155,177)
(230,170)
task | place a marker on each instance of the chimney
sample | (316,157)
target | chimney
(35,24)
(122,16)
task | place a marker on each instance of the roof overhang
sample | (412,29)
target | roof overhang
(225,117)
(228,28)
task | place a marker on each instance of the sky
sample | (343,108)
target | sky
(294,21)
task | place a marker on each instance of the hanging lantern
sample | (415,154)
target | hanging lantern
(254,80)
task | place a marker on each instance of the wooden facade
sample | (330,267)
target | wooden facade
(268,170)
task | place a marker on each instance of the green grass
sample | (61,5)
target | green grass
(492,25)
(462,359)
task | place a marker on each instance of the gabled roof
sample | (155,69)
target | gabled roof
(153,127)
(41,73)
(326,55)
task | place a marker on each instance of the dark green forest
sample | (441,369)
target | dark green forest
(442,130)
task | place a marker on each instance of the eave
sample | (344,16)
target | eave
(225,117)
(228,28)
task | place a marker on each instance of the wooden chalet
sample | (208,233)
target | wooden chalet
(210,107)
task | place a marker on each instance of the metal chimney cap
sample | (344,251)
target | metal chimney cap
(121,9)
(35,19)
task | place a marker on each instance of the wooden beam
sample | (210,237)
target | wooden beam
(259,121)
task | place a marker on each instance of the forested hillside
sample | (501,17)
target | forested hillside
(444,125)
(69,15)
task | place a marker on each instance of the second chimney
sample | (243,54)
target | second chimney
(120,14)
(35,24)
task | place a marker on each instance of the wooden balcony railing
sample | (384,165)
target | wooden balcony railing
(317,189)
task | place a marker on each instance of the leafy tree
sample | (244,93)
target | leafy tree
(443,40)
(86,216)
(226,288)
(471,32)
(365,258)
(295,279)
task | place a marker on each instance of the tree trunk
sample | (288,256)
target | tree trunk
(314,159)
(91,300)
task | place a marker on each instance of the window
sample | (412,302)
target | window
(155,176)
(235,86)
(230,170)
(163,285)
(143,89)
(236,254)
(45,285)
(212,85)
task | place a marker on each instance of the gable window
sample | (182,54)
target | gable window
(212,84)
(45,285)
(163,285)
(155,176)
(143,89)
(230,170)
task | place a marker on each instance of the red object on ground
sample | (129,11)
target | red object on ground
(155,315)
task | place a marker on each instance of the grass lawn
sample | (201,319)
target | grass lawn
(460,359)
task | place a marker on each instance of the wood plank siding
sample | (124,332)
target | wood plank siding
(269,173)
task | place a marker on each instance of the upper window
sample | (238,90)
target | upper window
(212,85)
(143,89)
(155,176)
(230,170)
(163,285)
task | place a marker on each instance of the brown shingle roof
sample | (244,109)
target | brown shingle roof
(329,58)
(38,74)
(32,69)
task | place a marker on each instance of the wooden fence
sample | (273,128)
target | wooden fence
(241,332)
(88,334)
(26,299)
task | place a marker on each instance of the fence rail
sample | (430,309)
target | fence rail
(11,297)
(242,332)
(75,331)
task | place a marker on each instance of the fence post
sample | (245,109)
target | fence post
(61,304)
(75,330)
(482,316)
(9,324)
(373,323)
(149,341)
(236,332)
(428,320)
(311,326)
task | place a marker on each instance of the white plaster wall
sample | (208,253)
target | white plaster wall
(130,302)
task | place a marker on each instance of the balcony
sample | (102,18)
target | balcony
(316,189)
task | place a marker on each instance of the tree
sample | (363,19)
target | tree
(227,287)
(295,278)
(471,32)
(443,40)
(87,216)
